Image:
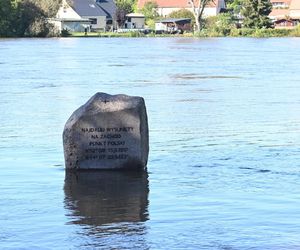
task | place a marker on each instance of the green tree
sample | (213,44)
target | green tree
(198,7)
(26,14)
(182,13)
(27,17)
(150,10)
(49,7)
(234,6)
(220,25)
(124,7)
(6,17)
(256,13)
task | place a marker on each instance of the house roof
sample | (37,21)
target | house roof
(295,5)
(86,8)
(175,3)
(108,6)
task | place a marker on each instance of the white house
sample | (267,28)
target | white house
(84,15)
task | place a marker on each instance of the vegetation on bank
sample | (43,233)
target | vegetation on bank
(29,18)
(241,32)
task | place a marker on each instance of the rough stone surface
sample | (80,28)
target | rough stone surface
(108,132)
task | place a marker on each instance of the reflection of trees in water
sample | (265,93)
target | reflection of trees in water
(108,204)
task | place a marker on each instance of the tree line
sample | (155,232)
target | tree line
(19,18)
(254,13)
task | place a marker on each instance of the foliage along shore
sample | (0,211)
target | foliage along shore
(205,33)
(242,32)
(29,18)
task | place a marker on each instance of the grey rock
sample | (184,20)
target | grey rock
(108,132)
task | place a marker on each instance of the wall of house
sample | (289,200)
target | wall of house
(75,26)
(221,5)
(100,23)
(295,13)
(160,26)
(136,23)
(66,12)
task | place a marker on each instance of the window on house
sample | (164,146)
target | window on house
(93,20)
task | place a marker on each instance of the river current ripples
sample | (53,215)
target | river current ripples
(224,163)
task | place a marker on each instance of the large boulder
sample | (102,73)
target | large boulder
(108,132)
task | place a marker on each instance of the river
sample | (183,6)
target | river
(224,163)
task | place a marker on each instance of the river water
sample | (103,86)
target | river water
(224,163)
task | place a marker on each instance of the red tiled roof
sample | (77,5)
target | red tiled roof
(174,3)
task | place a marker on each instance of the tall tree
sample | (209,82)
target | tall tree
(150,10)
(182,13)
(124,7)
(49,7)
(6,17)
(256,13)
(234,6)
(198,7)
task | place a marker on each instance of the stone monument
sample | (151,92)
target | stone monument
(108,132)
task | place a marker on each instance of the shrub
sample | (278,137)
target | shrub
(296,31)
(182,13)
(220,25)
(65,33)
(41,28)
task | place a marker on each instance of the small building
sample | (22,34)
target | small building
(173,25)
(134,21)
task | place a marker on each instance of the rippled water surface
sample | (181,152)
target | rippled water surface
(224,163)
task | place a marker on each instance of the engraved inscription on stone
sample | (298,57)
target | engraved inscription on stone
(108,132)
(107,143)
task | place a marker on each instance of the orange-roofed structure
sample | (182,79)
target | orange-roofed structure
(165,7)
(285,13)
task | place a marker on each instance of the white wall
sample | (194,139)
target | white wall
(101,21)
(295,13)
(75,26)
(139,23)
(65,11)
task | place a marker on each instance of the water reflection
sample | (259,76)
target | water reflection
(106,197)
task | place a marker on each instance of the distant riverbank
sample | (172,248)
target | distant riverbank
(204,33)
(242,32)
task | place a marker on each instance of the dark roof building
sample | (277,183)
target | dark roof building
(108,6)
(87,8)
